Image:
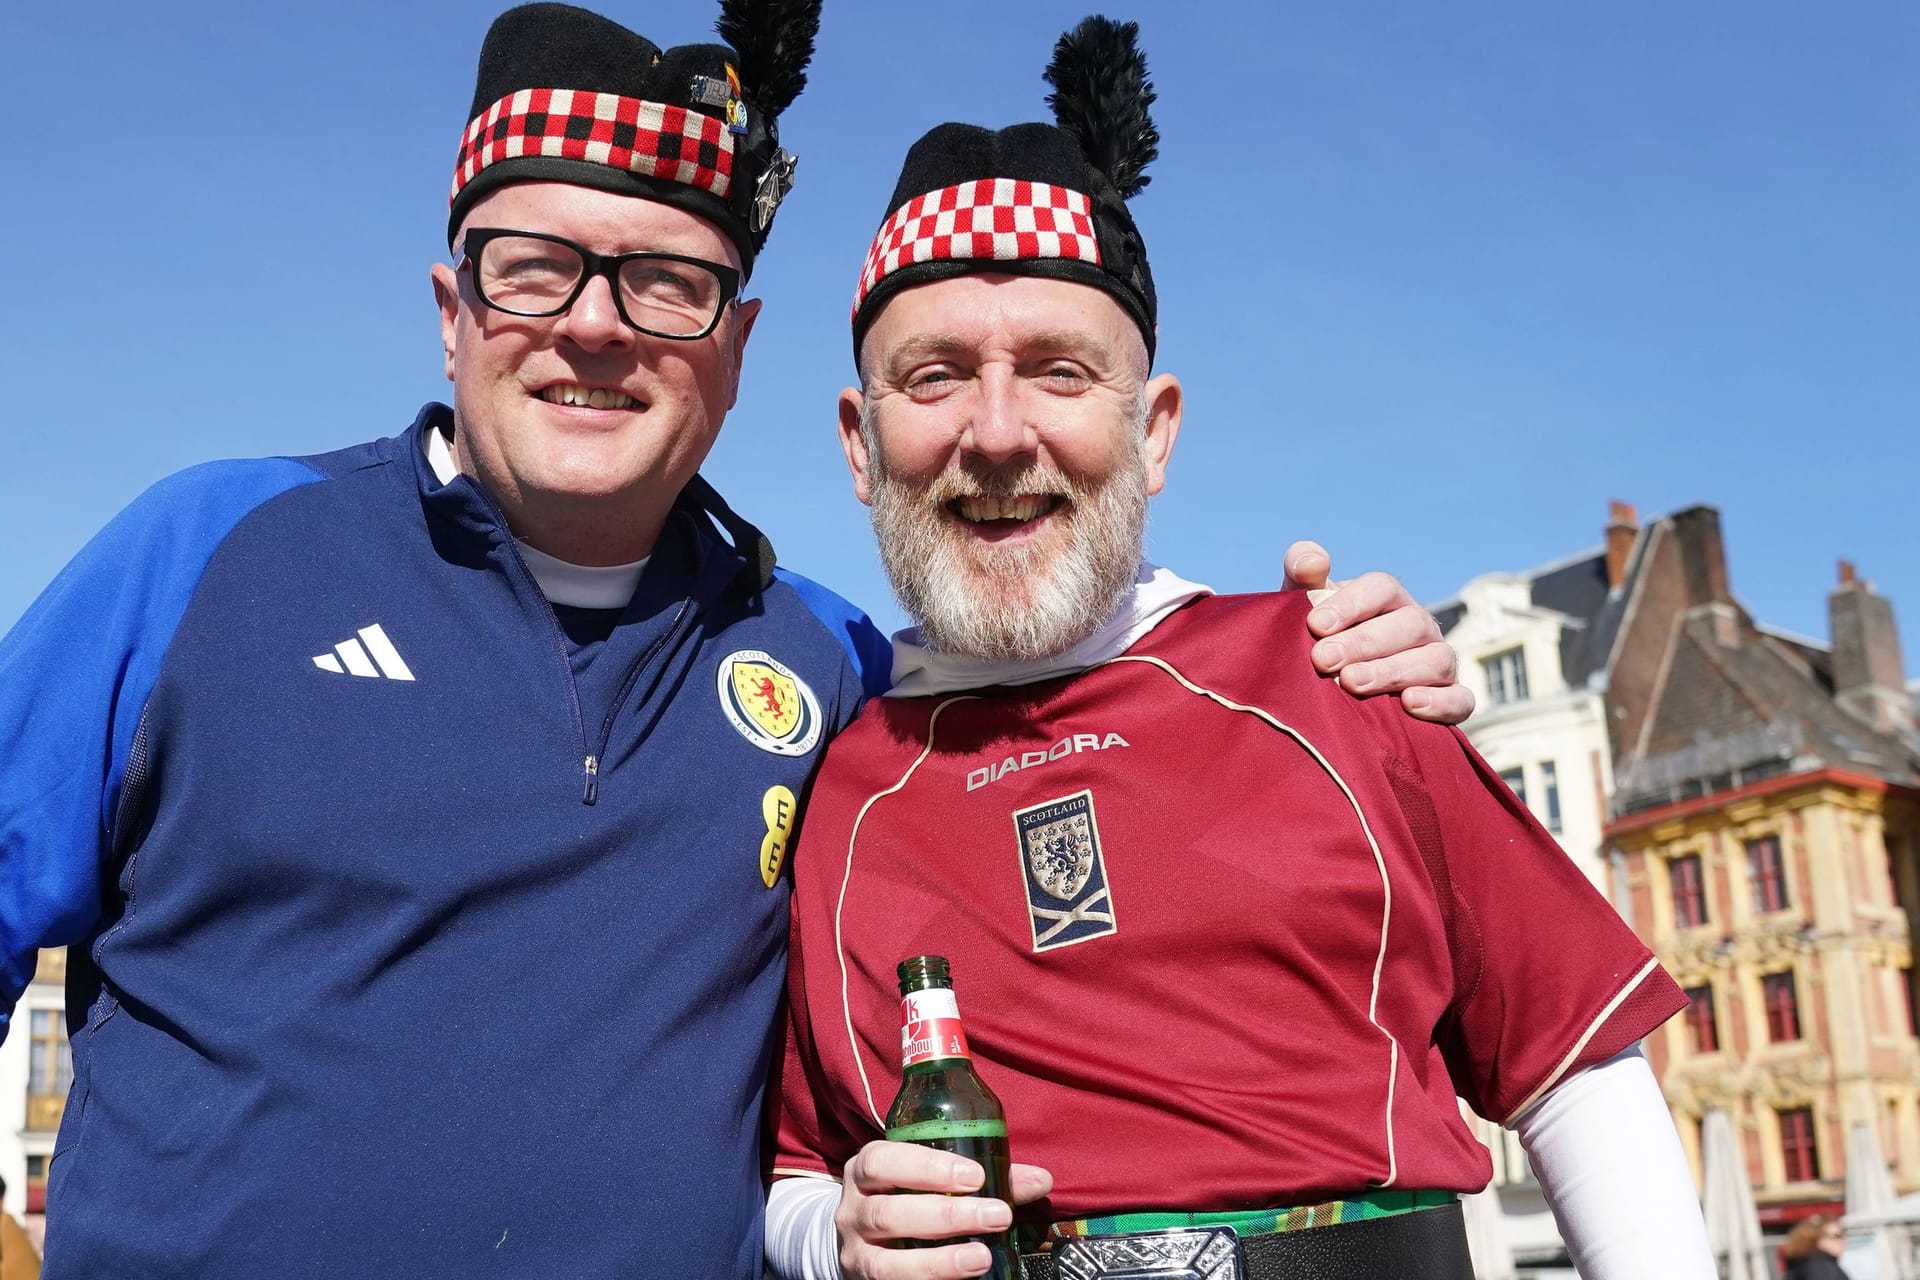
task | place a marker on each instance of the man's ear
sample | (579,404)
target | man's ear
(854,444)
(1164,405)
(446,294)
(745,312)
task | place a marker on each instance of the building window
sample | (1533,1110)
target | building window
(1700,1024)
(1766,874)
(51,1064)
(1550,789)
(1689,891)
(1796,1145)
(1506,676)
(1516,781)
(1783,1008)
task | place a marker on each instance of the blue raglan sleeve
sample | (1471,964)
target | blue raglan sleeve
(75,675)
(867,646)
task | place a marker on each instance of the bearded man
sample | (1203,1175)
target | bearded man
(1232,944)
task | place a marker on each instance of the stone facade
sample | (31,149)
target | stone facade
(1837,936)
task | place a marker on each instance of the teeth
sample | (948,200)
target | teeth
(589,397)
(1022,508)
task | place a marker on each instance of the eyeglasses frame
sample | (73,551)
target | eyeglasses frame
(606,265)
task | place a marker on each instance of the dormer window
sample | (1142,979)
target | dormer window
(1506,676)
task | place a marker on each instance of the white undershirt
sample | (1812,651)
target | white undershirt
(578,586)
(1601,1143)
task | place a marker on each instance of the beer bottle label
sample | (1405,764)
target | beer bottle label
(930,1027)
(947,1130)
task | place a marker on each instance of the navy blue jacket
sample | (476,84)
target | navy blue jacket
(397,949)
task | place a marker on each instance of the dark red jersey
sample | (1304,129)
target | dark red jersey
(1224,937)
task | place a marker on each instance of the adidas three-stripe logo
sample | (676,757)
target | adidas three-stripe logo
(369,653)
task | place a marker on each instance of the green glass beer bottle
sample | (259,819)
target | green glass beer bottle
(942,1104)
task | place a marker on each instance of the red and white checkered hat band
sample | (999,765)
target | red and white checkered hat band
(651,138)
(992,218)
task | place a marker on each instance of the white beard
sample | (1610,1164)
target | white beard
(1011,602)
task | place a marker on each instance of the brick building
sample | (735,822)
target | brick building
(1766,813)
(1750,801)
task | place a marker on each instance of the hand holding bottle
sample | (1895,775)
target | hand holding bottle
(959,1150)
(883,1205)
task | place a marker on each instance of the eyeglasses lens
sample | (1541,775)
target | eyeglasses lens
(526,276)
(675,298)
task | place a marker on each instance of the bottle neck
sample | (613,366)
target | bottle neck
(930,1028)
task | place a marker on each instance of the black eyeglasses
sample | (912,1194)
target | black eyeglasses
(667,295)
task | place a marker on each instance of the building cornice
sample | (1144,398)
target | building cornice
(1767,788)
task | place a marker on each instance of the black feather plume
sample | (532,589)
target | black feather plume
(1101,95)
(774,39)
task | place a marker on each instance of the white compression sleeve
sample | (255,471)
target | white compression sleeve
(802,1243)
(1603,1146)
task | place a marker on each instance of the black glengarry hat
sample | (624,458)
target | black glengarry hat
(1034,199)
(564,95)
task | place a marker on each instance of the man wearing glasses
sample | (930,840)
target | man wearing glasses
(417,812)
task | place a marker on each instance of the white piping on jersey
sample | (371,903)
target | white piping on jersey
(1599,1020)
(1379,861)
(839,945)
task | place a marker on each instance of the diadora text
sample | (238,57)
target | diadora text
(1028,759)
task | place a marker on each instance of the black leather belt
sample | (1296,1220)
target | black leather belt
(1427,1244)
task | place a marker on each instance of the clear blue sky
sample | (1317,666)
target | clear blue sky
(1441,278)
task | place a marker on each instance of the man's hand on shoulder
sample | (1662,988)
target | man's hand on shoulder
(883,1202)
(1375,638)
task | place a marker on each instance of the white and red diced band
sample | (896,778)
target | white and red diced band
(652,138)
(1001,219)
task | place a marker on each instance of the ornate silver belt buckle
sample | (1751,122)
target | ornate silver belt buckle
(1179,1253)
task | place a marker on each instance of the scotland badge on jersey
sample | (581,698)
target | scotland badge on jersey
(1067,896)
(770,705)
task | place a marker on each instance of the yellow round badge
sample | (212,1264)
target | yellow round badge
(770,705)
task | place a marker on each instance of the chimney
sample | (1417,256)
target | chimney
(1868,677)
(1703,557)
(1623,524)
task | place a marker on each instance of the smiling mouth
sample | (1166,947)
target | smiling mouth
(1003,514)
(574,395)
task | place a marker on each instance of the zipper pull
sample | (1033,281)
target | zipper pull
(593,781)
